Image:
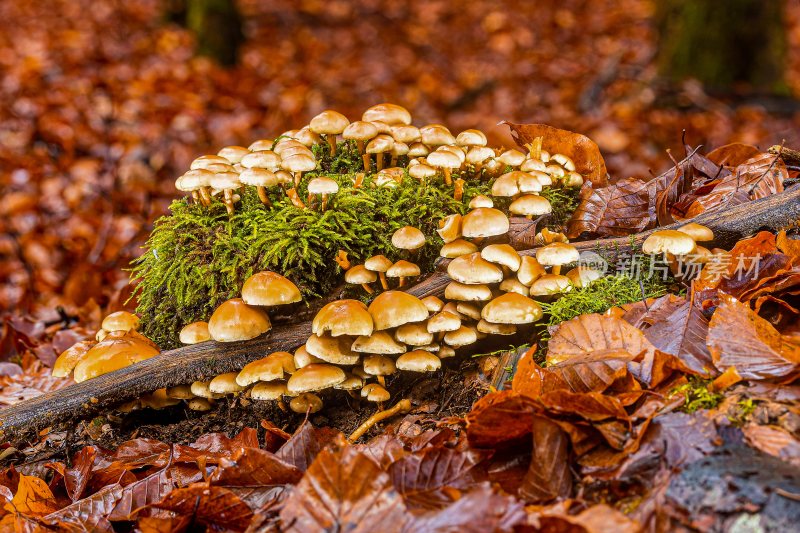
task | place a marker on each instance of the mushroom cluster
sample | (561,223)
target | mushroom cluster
(383,135)
(679,247)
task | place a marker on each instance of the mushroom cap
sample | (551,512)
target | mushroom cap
(555,170)
(419,361)
(472,269)
(467,293)
(204,161)
(406,133)
(199,404)
(542,177)
(506,185)
(402,269)
(463,336)
(573,179)
(193,180)
(495,329)
(120,321)
(529,270)
(225,384)
(418,149)
(471,137)
(669,242)
(443,321)
(436,135)
(323,186)
(380,342)
(479,154)
(380,144)
(261,144)
(556,254)
(514,285)
(443,159)
(502,254)
(258,177)
(334,350)
(481,201)
(343,317)
(373,392)
(269,368)
(314,377)
(71,357)
(303,358)
(408,238)
(433,303)
(484,222)
(117,350)
(698,232)
(391,114)
(399,148)
(511,308)
(351,382)
(445,352)
(528,183)
(359,274)
(329,122)
(378,263)
(274,390)
(234,154)
(455,150)
(234,321)
(581,276)
(564,161)
(469,310)
(530,205)
(379,365)
(550,284)
(299,163)
(457,248)
(158,399)
(269,288)
(360,131)
(284,144)
(512,158)
(395,308)
(201,389)
(225,180)
(450,228)
(262,159)
(530,165)
(194,333)
(414,334)
(421,171)
(306,403)
(383,127)
(308,137)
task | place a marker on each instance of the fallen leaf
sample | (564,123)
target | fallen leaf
(500,419)
(613,211)
(215,507)
(33,498)
(140,494)
(88,514)
(585,334)
(549,476)
(307,442)
(683,333)
(773,440)
(478,511)
(733,154)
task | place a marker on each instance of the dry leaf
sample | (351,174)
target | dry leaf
(590,333)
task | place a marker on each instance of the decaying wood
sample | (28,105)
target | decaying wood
(203,361)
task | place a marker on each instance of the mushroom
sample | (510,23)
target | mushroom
(581,276)
(512,158)
(529,270)
(204,161)
(269,289)
(514,285)
(564,161)
(309,138)
(157,399)
(463,336)
(403,269)
(443,322)
(194,333)
(507,185)
(379,264)
(273,390)
(360,275)
(314,377)
(470,138)
(120,321)
(379,366)
(227,182)
(557,254)
(418,150)
(334,350)
(381,144)
(469,310)
(481,201)
(467,293)
(374,392)
(530,205)
(199,404)
(502,254)
(70,357)
(261,144)
(478,156)
(511,308)
(329,123)
(259,178)
(550,284)
(395,308)
(225,384)
(697,232)
(307,403)
(297,164)
(202,389)
(472,269)
(391,114)
(343,317)
(414,334)
(457,248)
(672,244)
(324,187)
(270,368)
(450,228)
(446,161)
(118,350)
(419,361)
(408,238)
(380,342)
(233,154)
(406,133)
(361,132)
(421,172)
(302,358)
(532,165)
(436,135)
(484,222)
(433,304)
(573,179)
(234,321)
(398,149)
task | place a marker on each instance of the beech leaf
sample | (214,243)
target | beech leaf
(585,334)
(549,475)
(215,507)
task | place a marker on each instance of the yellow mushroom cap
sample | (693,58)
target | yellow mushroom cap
(472,269)
(378,263)
(234,154)
(668,242)
(343,317)
(158,399)
(403,269)
(323,186)
(359,274)
(380,144)
(194,333)
(514,285)
(442,322)
(512,158)
(314,377)
(258,177)
(418,149)
(269,368)
(274,390)
(511,308)
(351,382)
(550,284)
(120,321)
(199,404)
(530,205)
(433,303)
(418,361)
(395,308)
(557,254)
(529,270)
(302,358)
(379,365)
(268,289)
(581,276)
(306,403)
(204,161)
(406,133)
(479,154)
(502,254)
(463,336)
(421,171)
(414,334)
(408,238)
(481,201)
(234,321)
(391,114)
(450,228)
(484,222)
(180,392)
(506,185)
(471,138)
(443,159)
(70,357)
(436,135)
(469,309)
(264,159)
(329,122)
(225,384)
(298,163)
(202,390)
(373,392)
(380,342)
(467,293)
(698,232)
(495,329)
(457,248)
(117,350)
(360,131)
(332,349)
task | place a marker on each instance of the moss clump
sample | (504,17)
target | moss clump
(564,202)
(697,395)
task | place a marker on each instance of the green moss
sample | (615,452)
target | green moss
(743,410)
(697,395)
(564,202)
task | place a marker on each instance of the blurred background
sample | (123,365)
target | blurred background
(104,103)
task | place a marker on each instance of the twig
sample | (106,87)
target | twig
(403,406)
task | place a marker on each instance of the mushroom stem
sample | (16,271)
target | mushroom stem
(384,283)
(229,201)
(297,177)
(367,162)
(674,265)
(382,381)
(367,288)
(295,198)
(195,197)
(447,178)
(393,161)
(379,164)
(556,270)
(402,281)
(360,146)
(359,181)
(458,192)
(324,202)
(206,196)
(262,195)
(282,406)
(402,407)
(331,143)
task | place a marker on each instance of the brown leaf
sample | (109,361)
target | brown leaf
(306,443)
(613,211)
(431,479)
(500,419)
(739,338)
(383,449)
(479,511)
(585,334)
(89,514)
(33,498)
(142,493)
(252,467)
(592,372)
(582,150)
(215,507)
(77,476)
(212,447)
(549,475)
(775,441)
(344,491)
(589,405)
(157,524)
(733,154)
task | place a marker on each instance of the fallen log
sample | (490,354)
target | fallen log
(202,361)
